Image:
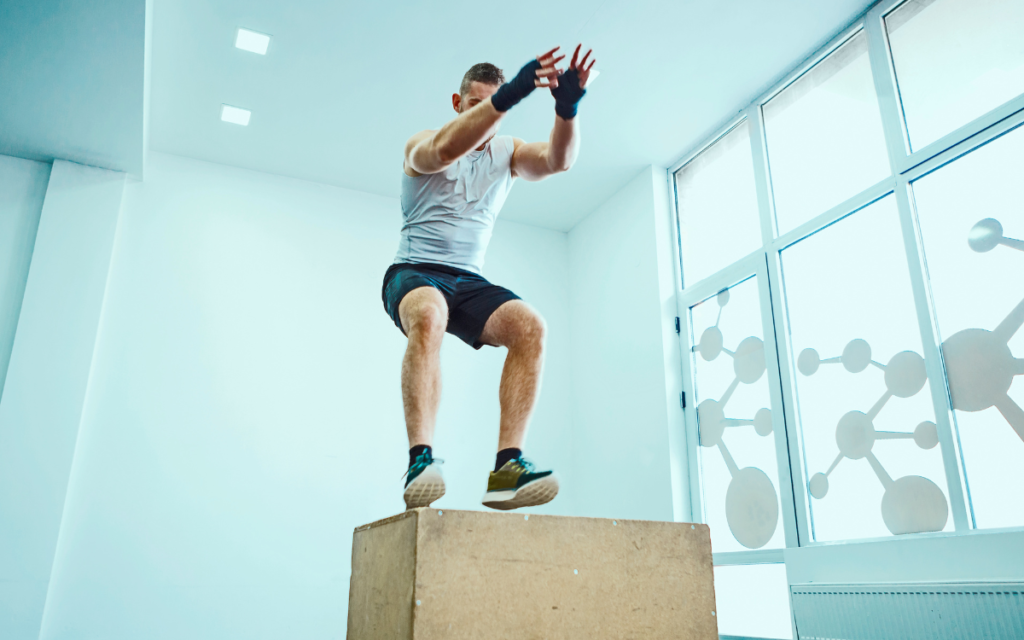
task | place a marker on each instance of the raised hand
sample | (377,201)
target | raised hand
(569,89)
(582,68)
(540,72)
(547,75)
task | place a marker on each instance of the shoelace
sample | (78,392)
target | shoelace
(422,461)
(527,466)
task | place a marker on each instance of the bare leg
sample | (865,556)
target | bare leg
(424,316)
(517,326)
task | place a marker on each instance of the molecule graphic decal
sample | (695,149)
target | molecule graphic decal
(911,503)
(979,365)
(979,368)
(751,503)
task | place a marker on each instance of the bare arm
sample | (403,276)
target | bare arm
(533,161)
(434,151)
(538,160)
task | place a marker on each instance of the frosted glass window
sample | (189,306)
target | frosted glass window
(865,408)
(955,60)
(971,214)
(738,464)
(752,601)
(824,136)
(718,215)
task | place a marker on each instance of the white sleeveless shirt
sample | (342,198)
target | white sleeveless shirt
(448,216)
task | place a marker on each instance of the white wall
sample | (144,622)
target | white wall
(625,356)
(245,414)
(22,187)
(48,379)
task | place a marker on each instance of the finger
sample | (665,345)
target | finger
(575,55)
(591,65)
(547,71)
(550,84)
(549,53)
(549,64)
(583,62)
(552,62)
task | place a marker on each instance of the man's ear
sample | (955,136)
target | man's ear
(456,102)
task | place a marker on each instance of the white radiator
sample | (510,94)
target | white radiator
(932,611)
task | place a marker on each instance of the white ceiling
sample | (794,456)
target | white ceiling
(344,83)
(71,81)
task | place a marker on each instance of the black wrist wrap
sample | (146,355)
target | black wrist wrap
(510,93)
(568,94)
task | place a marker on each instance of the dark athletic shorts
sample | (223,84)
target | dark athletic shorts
(471,298)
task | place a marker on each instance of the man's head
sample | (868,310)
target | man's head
(479,83)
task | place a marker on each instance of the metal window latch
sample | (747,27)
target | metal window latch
(677,324)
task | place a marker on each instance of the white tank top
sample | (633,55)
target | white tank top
(448,216)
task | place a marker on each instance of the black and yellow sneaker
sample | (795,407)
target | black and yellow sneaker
(517,485)
(423,483)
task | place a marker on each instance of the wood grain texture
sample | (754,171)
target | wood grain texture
(497,575)
(380,599)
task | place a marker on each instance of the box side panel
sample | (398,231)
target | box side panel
(383,574)
(482,575)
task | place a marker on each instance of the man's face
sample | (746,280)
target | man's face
(478,92)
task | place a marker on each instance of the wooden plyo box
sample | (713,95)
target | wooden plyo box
(429,574)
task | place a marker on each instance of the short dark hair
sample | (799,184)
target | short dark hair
(484,72)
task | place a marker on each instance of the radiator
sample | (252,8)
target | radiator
(932,611)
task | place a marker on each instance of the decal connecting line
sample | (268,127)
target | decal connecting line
(980,369)
(751,503)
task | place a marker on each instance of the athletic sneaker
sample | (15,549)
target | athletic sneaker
(423,483)
(517,485)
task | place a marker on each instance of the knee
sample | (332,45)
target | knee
(530,334)
(427,325)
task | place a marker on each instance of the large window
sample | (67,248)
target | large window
(861,381)
(956,60)
(825,139)
(852,306)
(972,225)
(738,455)
(716,192)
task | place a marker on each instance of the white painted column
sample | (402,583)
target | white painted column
(623,408)
(22,188)
(666,238)
(47,380)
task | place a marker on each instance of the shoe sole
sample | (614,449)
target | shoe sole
(537,492)
(426,488)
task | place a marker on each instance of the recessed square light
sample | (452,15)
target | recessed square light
(252,41)
(234,115)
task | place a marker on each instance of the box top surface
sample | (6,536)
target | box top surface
(496,515)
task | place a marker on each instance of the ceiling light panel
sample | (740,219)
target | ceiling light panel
(234,115)
(252,41)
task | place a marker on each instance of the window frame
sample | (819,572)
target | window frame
(764,263)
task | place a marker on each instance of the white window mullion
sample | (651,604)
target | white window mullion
(762,179)
(885,87)
(790,477)
(794,509)
(933,362)
(691,441)
(685,472)
(898,147)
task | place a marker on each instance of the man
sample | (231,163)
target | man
(455,181)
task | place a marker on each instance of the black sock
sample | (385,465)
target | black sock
(417,451)
(505,455)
